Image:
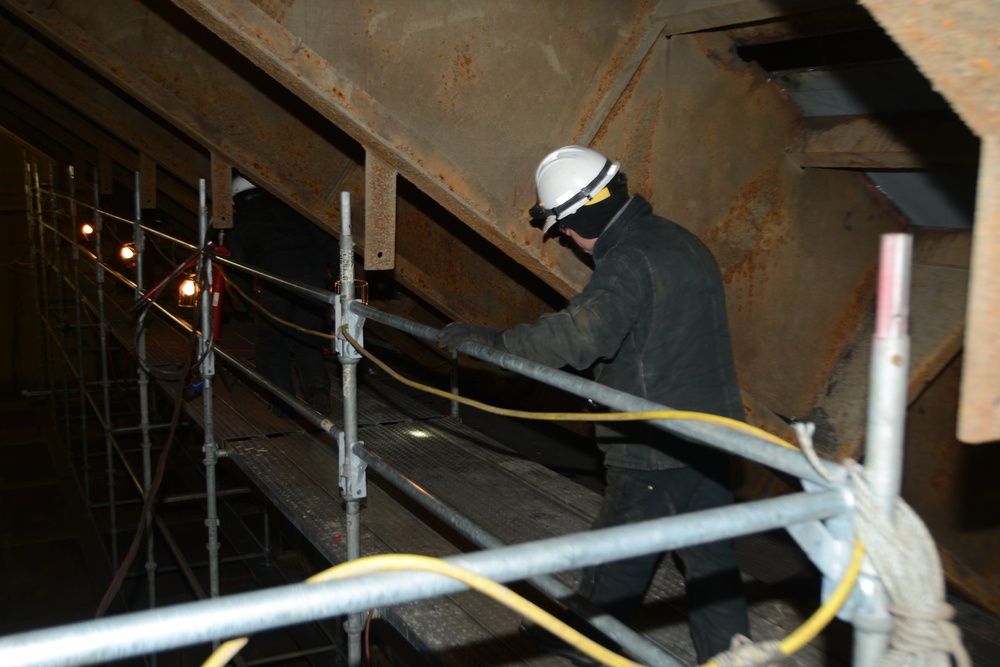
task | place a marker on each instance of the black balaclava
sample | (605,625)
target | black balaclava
(590,220)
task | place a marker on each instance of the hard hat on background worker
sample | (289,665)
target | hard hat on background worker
(567,179)
(241,184)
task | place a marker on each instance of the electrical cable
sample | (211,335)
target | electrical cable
(253,303)
(151,492)
(574,416)
(368,638)
(499,592)
(806,632)
(161,374)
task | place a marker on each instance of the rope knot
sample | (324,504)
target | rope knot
(745,653)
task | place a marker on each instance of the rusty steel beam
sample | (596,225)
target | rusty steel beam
(686,16)
(380,214)
(64,122)
(954,45)
(65,80)
(173,66)
(722,171)
(39,137)
(160,67)
(907,141)
(147,173)
(222,188)
(418,89)
(809,24)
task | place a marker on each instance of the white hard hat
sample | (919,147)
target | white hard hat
(240,184)
(567,178)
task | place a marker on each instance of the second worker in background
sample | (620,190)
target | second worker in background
(273,237)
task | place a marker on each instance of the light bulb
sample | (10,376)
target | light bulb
(188,297)
(128,255)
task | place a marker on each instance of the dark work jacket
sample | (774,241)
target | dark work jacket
(272,236)
(653,318)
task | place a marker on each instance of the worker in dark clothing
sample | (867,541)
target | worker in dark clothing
(271,236)
(651,322)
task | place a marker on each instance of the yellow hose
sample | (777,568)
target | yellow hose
(735,424)
(499,592)
(806,632)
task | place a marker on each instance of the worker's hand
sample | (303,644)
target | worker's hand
(456,333)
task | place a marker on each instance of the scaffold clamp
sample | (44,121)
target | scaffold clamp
(353,484)
(355,327)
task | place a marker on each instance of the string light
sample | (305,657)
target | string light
(86,229)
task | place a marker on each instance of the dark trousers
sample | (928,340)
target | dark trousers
(717,608)
(277,344)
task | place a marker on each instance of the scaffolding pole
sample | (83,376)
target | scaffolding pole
(59,253)
(102,329)
(352,467)
(43,286)
(34,242)
(78,305)
(181,625)
(887,384)
(139,243)
(206,352)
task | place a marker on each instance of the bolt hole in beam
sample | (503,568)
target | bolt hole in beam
(380,213)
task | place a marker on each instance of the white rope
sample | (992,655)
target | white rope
(906,559)
(745,653)
(804,431)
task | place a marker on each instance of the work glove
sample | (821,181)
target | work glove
(456,333)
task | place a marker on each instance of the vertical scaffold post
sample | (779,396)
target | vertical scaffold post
(78,305)
(34,240)
(207,356)
(45,303)
(102,330)
(59,244)
(352,468)
(139,243)
(888,383)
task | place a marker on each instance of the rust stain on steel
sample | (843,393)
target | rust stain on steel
(276,9)
(754,227)
(620,63)
(622,103)
(846,326)
(380,214)
(462,71)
